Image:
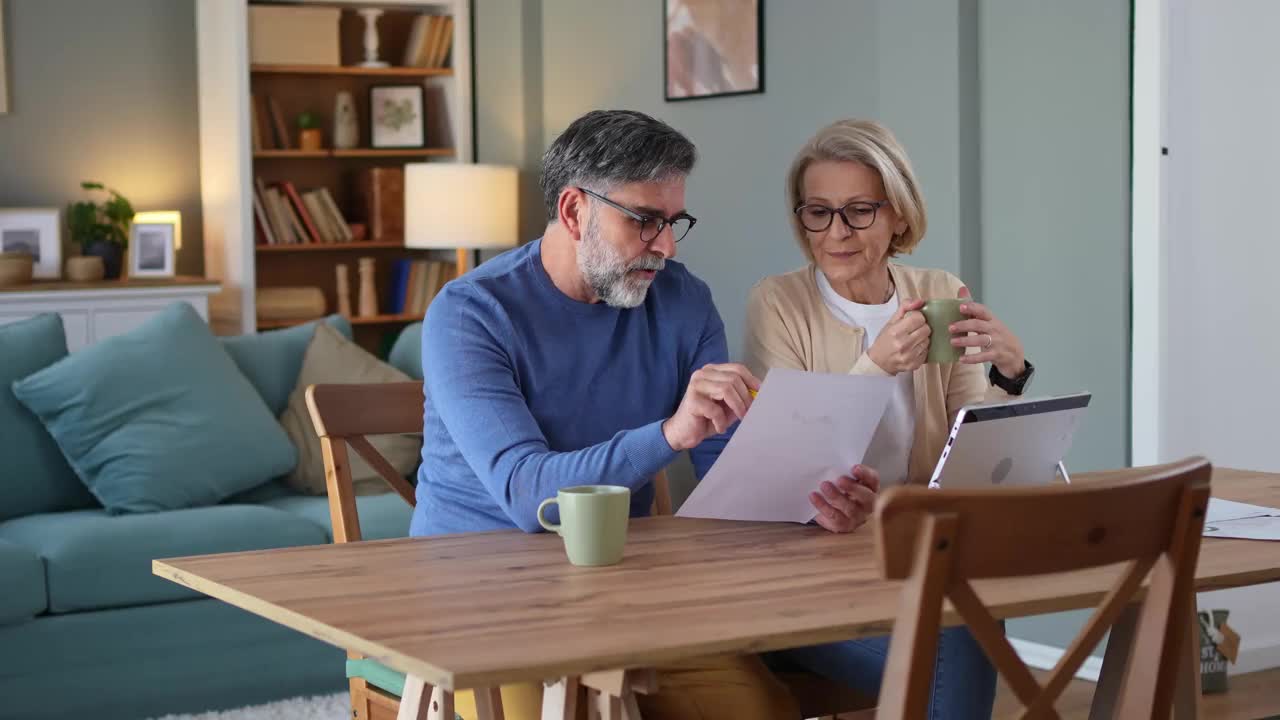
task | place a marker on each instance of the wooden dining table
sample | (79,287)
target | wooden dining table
(483,609)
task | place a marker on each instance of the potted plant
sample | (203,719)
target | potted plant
(309,136)
(101,229)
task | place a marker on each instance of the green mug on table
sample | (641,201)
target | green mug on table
(593,522)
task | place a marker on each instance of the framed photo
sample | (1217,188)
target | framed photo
(37,231)
(151,249)
(396,116)
(713,48)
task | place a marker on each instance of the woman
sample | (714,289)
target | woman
(855,206)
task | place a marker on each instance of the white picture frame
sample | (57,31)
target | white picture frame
(151,249)
(397,116)
(37,231)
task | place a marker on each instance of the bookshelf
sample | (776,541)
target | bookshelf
(245,107)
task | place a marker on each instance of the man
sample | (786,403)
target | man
(588,357)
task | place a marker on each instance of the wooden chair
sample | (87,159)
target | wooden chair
(940,540)
(344,415)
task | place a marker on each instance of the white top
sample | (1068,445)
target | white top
(890,449)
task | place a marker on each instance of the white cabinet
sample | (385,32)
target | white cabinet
(94,313)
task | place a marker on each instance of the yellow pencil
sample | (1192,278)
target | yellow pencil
(753,392)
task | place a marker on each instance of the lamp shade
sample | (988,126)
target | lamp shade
(460,205)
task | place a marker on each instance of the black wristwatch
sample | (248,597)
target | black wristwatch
(1013,386)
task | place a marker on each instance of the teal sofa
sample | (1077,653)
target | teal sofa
(86,629)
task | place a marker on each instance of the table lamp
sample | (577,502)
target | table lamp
(463,206)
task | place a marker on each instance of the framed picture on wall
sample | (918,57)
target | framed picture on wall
(713,48)
(152,249)
(37,232)
(396,116)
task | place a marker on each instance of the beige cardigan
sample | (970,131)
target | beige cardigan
(789,325)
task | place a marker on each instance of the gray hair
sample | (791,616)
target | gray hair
(606,148)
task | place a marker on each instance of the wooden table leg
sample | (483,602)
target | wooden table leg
(489,704)
(441,705)
(560,699)
(612,693)
(415,700)
(1186,696)
(420,701)
(1119,646)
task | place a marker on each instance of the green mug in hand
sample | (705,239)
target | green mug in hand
(940,313)
(593,522)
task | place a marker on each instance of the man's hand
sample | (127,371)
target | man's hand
(717,397)
(846,504)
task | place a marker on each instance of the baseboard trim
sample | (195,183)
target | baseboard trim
(1255,658)
(1045,657)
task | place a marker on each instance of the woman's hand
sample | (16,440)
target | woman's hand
(999,346)
(844,505)
(903,344)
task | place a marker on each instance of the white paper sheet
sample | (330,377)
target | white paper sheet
(802,429)
(1229,519)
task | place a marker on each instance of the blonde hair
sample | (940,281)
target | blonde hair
(871,144)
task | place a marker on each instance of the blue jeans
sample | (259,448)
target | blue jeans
(964,680)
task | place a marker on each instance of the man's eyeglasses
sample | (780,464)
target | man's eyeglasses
(856,215)
(651,227)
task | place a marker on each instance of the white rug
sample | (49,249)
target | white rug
(317,707)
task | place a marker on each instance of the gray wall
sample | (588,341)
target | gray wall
(1055,212)
(103,91)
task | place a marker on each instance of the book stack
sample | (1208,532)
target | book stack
(284,216)
(429,42)
(267,128)
(414,283)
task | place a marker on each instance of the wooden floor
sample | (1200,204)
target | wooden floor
(1255,696)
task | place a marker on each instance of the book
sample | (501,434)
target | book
(320,216)
(382,197)
(278,123)
(260,216)
(344,228)
(399,284)
(446,42)
(310,232)
(415,48)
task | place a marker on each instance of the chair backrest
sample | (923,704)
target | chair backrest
(939,540)
(343,416)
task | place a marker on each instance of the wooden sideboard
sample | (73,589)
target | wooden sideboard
(94,311)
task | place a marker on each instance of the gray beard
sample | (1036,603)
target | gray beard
(606,271)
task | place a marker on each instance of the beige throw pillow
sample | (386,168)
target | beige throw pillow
(331,358)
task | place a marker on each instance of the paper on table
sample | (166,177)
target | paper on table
(803,428)
(1229,519)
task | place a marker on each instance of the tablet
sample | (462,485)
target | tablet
(1011,443)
